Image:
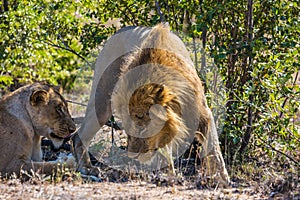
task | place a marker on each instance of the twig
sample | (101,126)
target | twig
(285,100)
(274,149)
(66,48)
(162,18)
(73,102)
(195,55)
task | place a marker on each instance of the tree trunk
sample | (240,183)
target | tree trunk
(247,136)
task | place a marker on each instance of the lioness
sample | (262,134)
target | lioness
(145,76)
(26,115)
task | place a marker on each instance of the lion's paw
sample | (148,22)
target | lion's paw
(67,160)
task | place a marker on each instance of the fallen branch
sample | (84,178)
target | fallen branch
(278,151)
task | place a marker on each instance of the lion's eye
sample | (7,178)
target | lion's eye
(60,110)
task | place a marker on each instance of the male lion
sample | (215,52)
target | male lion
(26,115)
(146,78)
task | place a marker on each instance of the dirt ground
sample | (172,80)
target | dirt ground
(70,185)
(14,189)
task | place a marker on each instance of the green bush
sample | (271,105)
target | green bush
(253,45)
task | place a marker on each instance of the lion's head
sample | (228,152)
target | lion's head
(49,113)
(156,115)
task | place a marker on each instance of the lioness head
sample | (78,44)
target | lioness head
(155,112)
(49,113)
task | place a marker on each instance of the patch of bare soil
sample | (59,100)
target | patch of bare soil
(14,189)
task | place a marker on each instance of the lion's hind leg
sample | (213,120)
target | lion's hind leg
(213,159)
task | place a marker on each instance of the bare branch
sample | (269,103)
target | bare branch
(285,100)
(162,18)
(66,48)
(280,152)
(77,103)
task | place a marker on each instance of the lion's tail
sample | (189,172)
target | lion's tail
(159,37)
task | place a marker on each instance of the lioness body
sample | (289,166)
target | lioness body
(170,81)
(26,115)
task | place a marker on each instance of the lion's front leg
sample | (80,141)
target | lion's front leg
(96,117)
(81,154)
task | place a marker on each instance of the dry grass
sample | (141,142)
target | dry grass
(253,180)
(14,189)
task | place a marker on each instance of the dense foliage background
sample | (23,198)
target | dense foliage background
(254,45)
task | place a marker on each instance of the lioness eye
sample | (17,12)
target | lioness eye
(59,109)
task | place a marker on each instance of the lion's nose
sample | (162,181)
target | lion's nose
(139,115)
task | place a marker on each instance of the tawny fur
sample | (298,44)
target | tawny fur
(26,115)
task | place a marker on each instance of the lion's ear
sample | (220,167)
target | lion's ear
(159,96)
(39,97)
(199,137)
(58,89)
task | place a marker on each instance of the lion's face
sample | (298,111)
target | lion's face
(141,101)
(155,112)
(49,114)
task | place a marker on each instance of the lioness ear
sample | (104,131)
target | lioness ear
(58,89)
(39,97)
